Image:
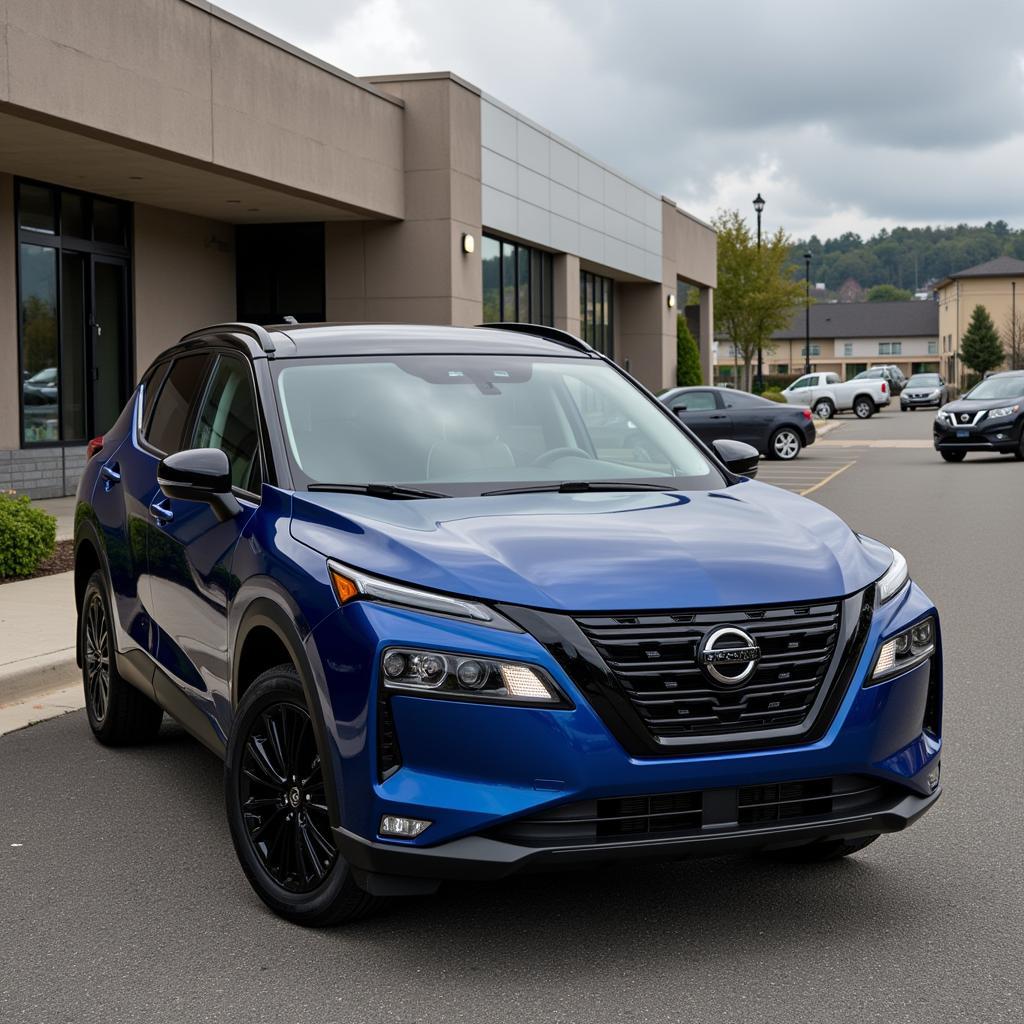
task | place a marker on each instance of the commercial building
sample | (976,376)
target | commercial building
(998,285)
(848,337)
(164,165)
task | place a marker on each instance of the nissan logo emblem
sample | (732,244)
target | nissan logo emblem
(728,655)
(964,417)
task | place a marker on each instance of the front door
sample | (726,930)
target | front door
(701,411)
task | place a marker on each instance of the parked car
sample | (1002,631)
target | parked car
(892,374)
(457,603)
(989,418)
(776,431)
(924,390)
(826,394)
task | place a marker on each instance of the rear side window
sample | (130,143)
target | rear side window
(228,421)
(150,389)
(174,403)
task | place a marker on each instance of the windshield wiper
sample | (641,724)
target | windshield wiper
(580,487)
(390,491)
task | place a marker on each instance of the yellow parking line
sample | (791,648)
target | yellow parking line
(830,477)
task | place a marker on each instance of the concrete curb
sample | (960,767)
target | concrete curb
(51,704)
(43,673)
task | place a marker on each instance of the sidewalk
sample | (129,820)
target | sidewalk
(38,674)
(64,510)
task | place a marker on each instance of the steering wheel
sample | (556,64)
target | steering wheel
(555,454)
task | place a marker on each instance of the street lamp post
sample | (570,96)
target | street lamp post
(758,209)
(807,313)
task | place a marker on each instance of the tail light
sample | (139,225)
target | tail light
(93,447)
(807,414)
(885,387)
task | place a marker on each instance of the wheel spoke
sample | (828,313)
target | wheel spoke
(258,756)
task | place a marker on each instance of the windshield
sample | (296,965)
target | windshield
(924,380)
(865,374)
(464,424)
(998,387)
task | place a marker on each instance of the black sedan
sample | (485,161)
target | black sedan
(989,418)
(775,430)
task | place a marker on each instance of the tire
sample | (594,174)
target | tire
(119,714)
(863,407)
(277,808)
(1018,452)
(785,444)
(824,409)
(954,456)
(820,852)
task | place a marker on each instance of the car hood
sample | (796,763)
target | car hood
(741,545)
(975,405)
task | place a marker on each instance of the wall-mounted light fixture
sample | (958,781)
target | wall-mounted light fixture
(468,243)
(671,300)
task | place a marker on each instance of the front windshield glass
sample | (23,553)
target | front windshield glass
(465,424)
(924,380)
(998,387)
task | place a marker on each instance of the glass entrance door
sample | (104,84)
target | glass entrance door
(107,333)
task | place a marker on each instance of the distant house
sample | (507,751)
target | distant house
(851,291)
(998,285)
(847,338)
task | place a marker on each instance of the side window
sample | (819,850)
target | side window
(695,401)
(151,388)
(175,401)
(805,382)
(228,421)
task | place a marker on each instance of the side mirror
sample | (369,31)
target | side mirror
(199,474)
(739,458)
(679,409)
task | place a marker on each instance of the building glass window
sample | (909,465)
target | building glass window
(518,283)
(815,350)
(847,348)
(597,311)
(933,347)
(890,348)
(73,312)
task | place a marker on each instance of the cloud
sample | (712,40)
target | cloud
(845,117)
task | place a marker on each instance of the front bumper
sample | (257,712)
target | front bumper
(476,771)
(996,436)
(910,402)
(382,867)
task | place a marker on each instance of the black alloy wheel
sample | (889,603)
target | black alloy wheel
(283,799)
(96,656)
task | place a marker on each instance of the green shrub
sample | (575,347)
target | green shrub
(27,535)
(688,371)
(773,396)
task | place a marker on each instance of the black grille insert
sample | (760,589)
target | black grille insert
(653,658)
(664,814)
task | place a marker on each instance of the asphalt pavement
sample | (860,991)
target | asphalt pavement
(121,899)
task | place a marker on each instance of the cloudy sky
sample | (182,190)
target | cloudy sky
(846,116)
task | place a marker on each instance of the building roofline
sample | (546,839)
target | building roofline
(426,76)
(276,41)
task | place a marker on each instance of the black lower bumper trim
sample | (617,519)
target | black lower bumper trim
(482,858)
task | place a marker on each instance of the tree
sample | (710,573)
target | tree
(688,372)
(888,293)
(980,347)
(757,293)
(1013,331)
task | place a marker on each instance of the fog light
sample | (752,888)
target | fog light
(403,828)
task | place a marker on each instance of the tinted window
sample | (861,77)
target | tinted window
(150,389)
(174,402)
(228,421)
(744,400)
(695,401)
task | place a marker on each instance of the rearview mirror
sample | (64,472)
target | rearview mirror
(739,458)
(199,474)
(678,409)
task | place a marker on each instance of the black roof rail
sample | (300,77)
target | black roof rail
(254,331)
(550,333)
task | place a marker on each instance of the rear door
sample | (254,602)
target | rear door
(701,410)
(190,549)
(752,418)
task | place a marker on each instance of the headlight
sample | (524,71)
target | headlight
(441,673)
(350,584)
(895,578)
(1006,410)
(905,650)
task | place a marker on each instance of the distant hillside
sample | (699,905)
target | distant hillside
(906,257)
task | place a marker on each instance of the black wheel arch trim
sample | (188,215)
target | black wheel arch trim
(270,610)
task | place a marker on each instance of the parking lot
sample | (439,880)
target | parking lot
(122,898)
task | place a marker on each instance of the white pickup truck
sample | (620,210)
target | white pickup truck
(826,394)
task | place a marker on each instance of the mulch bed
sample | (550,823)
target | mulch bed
(62,560)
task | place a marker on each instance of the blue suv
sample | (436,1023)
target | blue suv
(459,602)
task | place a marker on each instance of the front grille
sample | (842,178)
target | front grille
(653,658)
(667,814)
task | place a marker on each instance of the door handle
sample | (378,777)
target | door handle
(159,511)
(111,475)
(717,416)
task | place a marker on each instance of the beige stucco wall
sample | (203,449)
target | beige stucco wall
(184,278)
(9,376)
(956,304)
(180,78)
(416,271)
